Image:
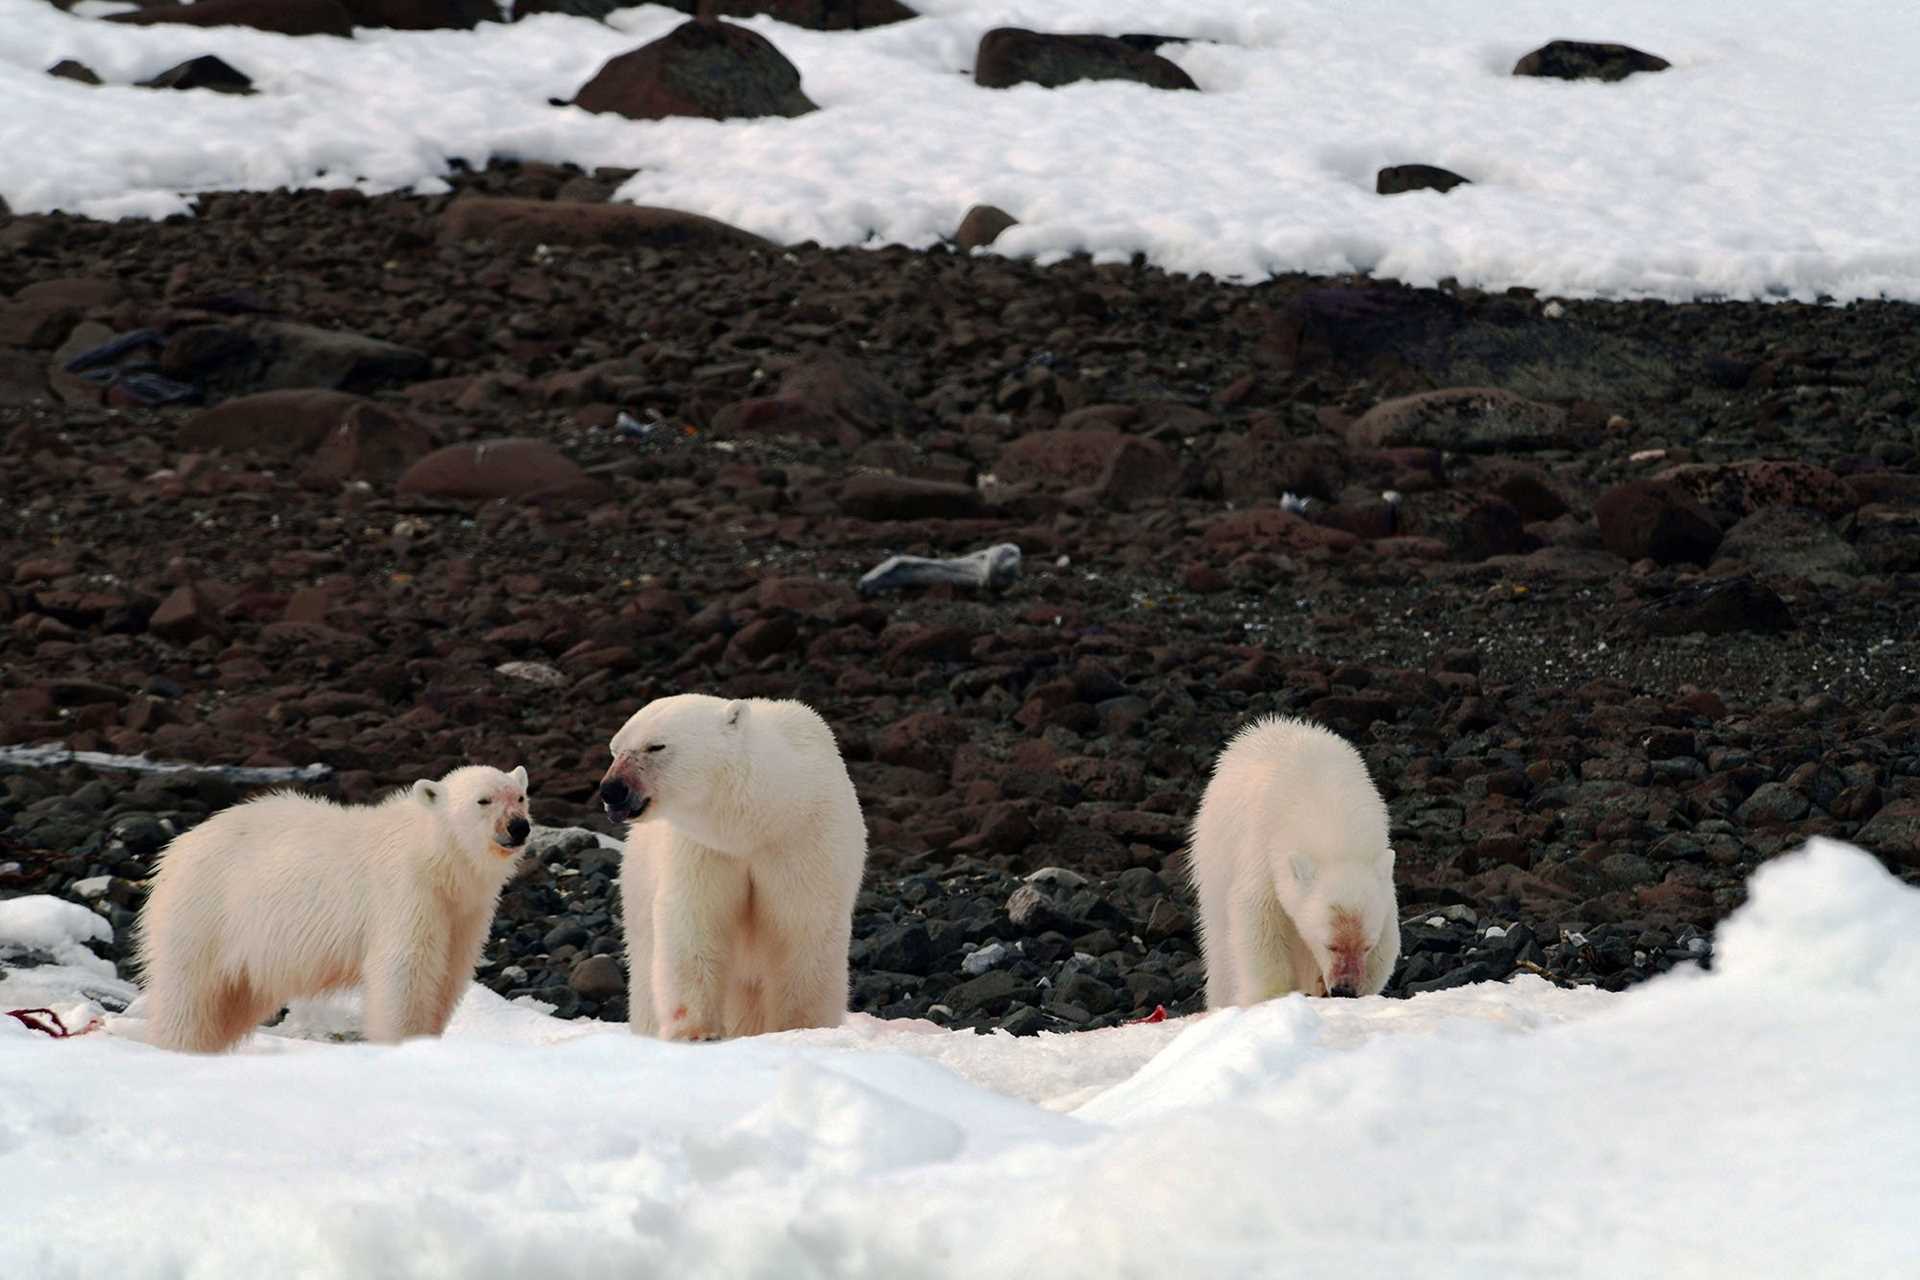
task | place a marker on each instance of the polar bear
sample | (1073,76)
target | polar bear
(1292,865)
(286,896)
(743,858)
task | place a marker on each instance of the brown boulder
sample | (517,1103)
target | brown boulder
(1085,459)
(523,224)
(1656,520)
(1894,834)
(1276,529)
(186,615)
(510,468)
(881,497)
(1367,329)
(286,17)
(981,227)
(827,397)
(717,71)
(1267,462)
(1013,55)
(1461,420)
(1732,490)
(341,435)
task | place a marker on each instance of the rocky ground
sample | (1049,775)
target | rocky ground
(389,485)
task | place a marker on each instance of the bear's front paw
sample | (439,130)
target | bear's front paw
(693,1035)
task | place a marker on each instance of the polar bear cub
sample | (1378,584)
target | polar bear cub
(287,896)
(743,859)
(1292,865)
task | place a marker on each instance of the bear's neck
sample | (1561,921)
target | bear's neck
(758,805)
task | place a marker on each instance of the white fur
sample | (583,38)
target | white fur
(1291,831)
(740,874)
(287,896)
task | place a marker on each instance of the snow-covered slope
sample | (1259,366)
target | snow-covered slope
(1758,1121)
(1773,159)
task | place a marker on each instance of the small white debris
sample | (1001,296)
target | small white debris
(1553,311)
(92,887)
(1061,877)
(990,956)
(1294,502)
(532,672)
(1646,455)
(1494,931)
(1438,922)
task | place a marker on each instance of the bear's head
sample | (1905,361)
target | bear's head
(484,809)
(671,755)
(1340,906)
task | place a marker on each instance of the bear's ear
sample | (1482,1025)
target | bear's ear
(1303,868)
(519,776)
(736,713)
(427,791)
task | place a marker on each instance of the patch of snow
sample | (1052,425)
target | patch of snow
(1458,1134)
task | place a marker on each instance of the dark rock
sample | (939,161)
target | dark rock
(1792,542)
(68,69)
(1583,60)
(526,223)
(877,497)
(511,468)
(718,71)
(598,978)
(1397,178)
(568,933)
(902,948)
(990,993)
(1658,520)
(1012,55)
(297,355)
(186,615)
(423,15)
(820,15)
(1772,804)
(1894,834)
(1715,608)
(1461,420)
(204,72)
(1032,910)
(1732,490)
(339,435)
(286,17)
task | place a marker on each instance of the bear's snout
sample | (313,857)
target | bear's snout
(621,801)
(1345,990)
(517,832)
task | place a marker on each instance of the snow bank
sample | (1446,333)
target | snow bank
(1772,160)
(1756,1121)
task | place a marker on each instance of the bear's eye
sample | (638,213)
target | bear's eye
(658,746)
(485,803)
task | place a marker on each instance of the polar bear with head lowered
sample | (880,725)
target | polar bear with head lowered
(288,896)
(743,859)
(1292,865)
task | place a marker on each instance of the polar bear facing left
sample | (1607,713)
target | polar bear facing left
(288,896)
